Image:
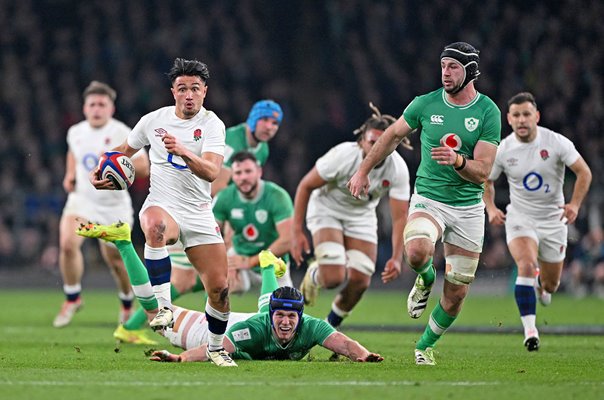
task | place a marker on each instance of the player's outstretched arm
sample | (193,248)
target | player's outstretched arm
(299,243)
(386,144)
(583,173)
(398,212)
(496,216)
(195,354)
(164,356)
(69,180)
(342,344)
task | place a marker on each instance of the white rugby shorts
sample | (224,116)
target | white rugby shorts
(462,226)
(551,234)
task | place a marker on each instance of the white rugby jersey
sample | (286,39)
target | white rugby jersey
(190,328)
(535,171)
(87,144)
(337,167)
(172,182)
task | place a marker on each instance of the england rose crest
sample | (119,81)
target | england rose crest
(544,154)
(197,134)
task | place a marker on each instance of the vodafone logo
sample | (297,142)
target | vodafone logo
(451,140)
(250,232)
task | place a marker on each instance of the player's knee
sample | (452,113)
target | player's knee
(527,267)
(332,277)
(68,250)
(330,253)
(420,228)
(359,282)
(359,261)
(68,245)
(416,257)
(550,287)
(460,270)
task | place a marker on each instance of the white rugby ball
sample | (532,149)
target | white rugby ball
(118,168)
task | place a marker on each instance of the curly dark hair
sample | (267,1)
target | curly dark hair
(378,121)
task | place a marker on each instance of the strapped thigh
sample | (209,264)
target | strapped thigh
(330,253)
(360,261)
(460,269)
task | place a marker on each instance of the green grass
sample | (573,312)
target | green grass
(83,362)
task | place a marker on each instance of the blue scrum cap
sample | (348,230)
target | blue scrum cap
(289,299)
(264,109)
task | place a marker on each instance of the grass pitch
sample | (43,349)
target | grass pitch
(82,361)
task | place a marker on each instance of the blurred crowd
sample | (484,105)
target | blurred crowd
(322,60)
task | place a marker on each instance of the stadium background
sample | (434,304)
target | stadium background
(323,61)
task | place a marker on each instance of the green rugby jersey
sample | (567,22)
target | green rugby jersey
(254,222)
(236,141)
(461,127)
(254,340)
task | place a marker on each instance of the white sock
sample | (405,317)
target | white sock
(530,329)
(126,296)
(215,339)
(162,294)
(72,289)
(338,311)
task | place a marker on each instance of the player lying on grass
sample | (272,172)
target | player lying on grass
(279,331)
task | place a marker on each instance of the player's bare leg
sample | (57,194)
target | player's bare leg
(71,264)
(210,261)
(524,252)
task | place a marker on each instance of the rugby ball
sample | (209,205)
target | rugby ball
(118,168)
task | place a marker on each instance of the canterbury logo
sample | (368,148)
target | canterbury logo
(437,119)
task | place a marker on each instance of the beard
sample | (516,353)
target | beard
(248,193)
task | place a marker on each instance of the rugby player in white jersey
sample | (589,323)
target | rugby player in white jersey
(534,158)
(344,228)
(87,141)
(186,151)
(460,129)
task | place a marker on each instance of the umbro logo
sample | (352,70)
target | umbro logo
(512,162)
(437,119)
(161,132)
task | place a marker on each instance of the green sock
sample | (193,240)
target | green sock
(139,277)
(269,285)
(441,321)
(198,287)
(137,320)
(174,293)
(427,272)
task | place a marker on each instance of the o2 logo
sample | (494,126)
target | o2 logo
(90,161)
(177,166)
(533,182)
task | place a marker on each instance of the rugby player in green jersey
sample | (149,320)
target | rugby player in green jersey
(259,214)
(460,131)
(281,331)
(252,135)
